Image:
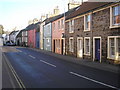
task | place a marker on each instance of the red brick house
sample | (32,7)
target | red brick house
(93,32)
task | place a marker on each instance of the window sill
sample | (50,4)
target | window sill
(71,32)
(86,30)
(86,54)
(113,58)
(71,51)
(117,26)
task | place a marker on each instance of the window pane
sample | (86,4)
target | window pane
(116,14)
(118,46)
(72,22)
(115,11)
(88,18)
(87,46)
(112,51)
(112,47)
(62,23)
(58,24)
(54,26)
(69,26)
(87,21)
(88,25)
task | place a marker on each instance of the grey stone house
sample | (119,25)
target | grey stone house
(93,32)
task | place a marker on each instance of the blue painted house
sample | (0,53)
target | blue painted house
(37,27)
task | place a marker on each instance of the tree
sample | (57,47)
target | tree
(1,29)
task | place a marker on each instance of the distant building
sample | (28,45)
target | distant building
(12,36)
(72,4)
(5,38)
(35,20)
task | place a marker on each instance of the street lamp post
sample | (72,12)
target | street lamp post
(64,48)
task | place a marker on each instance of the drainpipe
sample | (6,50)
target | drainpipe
(91,36)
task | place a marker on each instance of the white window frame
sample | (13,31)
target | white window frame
(71,48)
(116,56)
(85,22)
(85,45)
(71,26)
(26,39)
(111,18)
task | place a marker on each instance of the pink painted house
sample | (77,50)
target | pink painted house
(58,41)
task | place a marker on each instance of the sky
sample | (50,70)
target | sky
(17,13)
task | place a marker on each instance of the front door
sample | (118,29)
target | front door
(79,48)
(62,46)
(54,46)
(97,49)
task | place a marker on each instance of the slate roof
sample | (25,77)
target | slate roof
(87,7)
(13,32)
(48,20)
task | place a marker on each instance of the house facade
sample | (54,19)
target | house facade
(37,27)
(12,36)
(19,39)
(93,32)
(41,34)
(5,38)
(24,37)
(31,36)
(47,36)
(58,41)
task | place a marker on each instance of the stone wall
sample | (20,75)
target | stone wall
(100,27)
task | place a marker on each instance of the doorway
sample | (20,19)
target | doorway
(97,49)
(80,47)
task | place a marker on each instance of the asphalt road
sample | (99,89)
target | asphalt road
(38,70)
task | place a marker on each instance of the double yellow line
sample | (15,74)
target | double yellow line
(20,83)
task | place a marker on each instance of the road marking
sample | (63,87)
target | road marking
(32,56)
(22,86)
(48,63)
(110,86)
(19,50)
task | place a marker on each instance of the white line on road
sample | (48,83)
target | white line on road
(32,56)
(19,50)
(110,86)
(48,63)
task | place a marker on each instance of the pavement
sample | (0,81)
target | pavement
(93,64)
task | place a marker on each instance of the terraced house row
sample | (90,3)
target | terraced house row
(89,31)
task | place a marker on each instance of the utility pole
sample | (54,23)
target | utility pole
(64,48)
